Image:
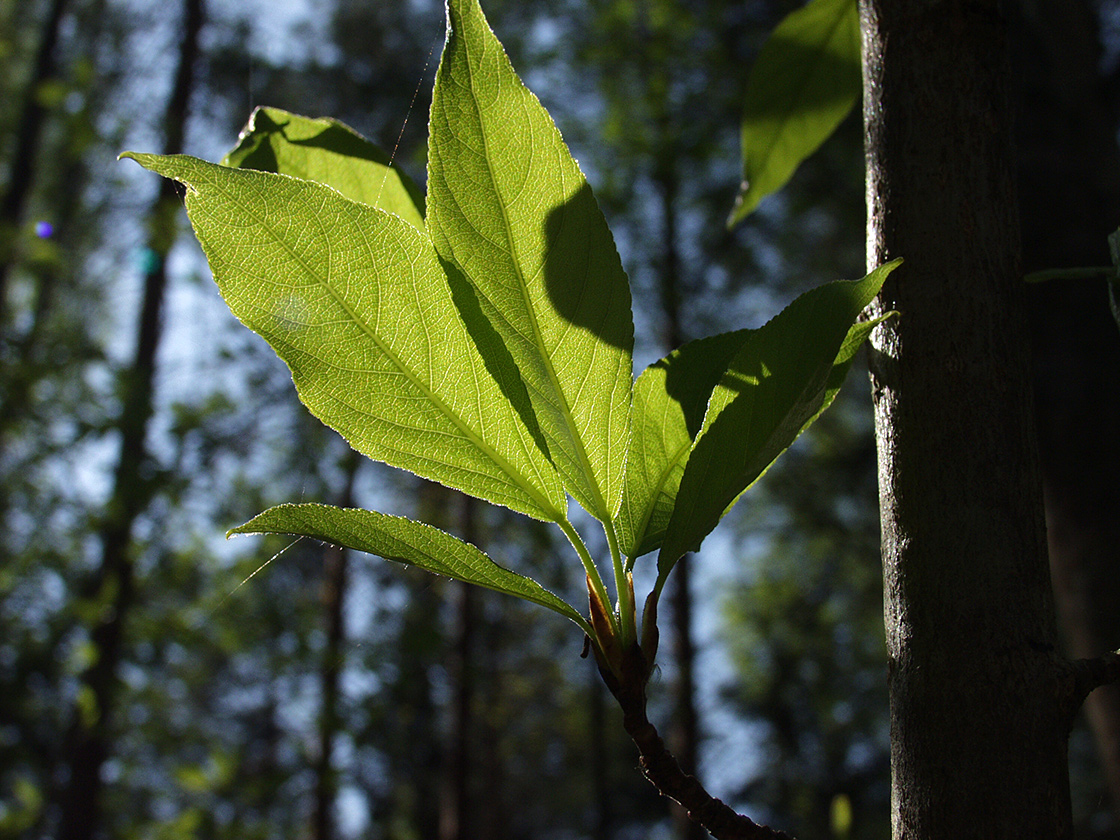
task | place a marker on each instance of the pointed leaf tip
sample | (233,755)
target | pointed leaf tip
(805,80)
(145,159)
(510,209)
(784,375)
(409,542)
(355,301)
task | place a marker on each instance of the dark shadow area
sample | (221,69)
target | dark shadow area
(693,371)
(253,151)
(256,151)
(1068,171)
(330,135)
(841,70)
(495,354)
(581,266)
(782,375)
(786,373)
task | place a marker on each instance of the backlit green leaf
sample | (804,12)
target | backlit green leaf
(670,398)
(405,541)
(510,209)
(782,377)
(804,82)
(354,300)
(328,152)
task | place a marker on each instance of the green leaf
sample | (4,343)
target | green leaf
(779,381)
(405,541)
(509,208)
(354,300)
(328,152)
(804,82)
(670,398)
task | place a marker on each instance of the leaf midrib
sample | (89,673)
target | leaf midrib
(508,469)
(581,451)
(803,78)
(659,486)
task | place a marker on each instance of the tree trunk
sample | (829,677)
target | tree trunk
(684,735)
(979,704)
(600,792)
(336,581)
(415,749)
(22,170)
(1069,187)
(456,820)
(88,741)
(33,340)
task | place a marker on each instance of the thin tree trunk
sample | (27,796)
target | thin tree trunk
(600,758)
(33,347)
(979,709)
(336,581)
(684,735)
(416,749)
(21,172)
(89,739)
(1069,186)
(456,817)
(489,767)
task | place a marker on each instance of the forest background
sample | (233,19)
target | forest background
(327,695)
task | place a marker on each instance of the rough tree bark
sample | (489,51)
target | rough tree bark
(89,739)
(980,702)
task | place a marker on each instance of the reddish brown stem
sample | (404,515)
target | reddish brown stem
(662,769)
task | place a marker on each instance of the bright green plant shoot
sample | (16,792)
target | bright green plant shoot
(484,342)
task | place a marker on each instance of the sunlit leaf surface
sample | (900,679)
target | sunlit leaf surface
(404,541)
(670,398)
(328,152)
(781,378)
(353,299)
(510,209)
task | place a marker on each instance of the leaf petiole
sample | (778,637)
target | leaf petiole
(626,607)
(589,566)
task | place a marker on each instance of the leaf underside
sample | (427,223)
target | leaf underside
(670,398)
(487,346)
(777,383)
(355,301)
(510,210)
(404,541)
